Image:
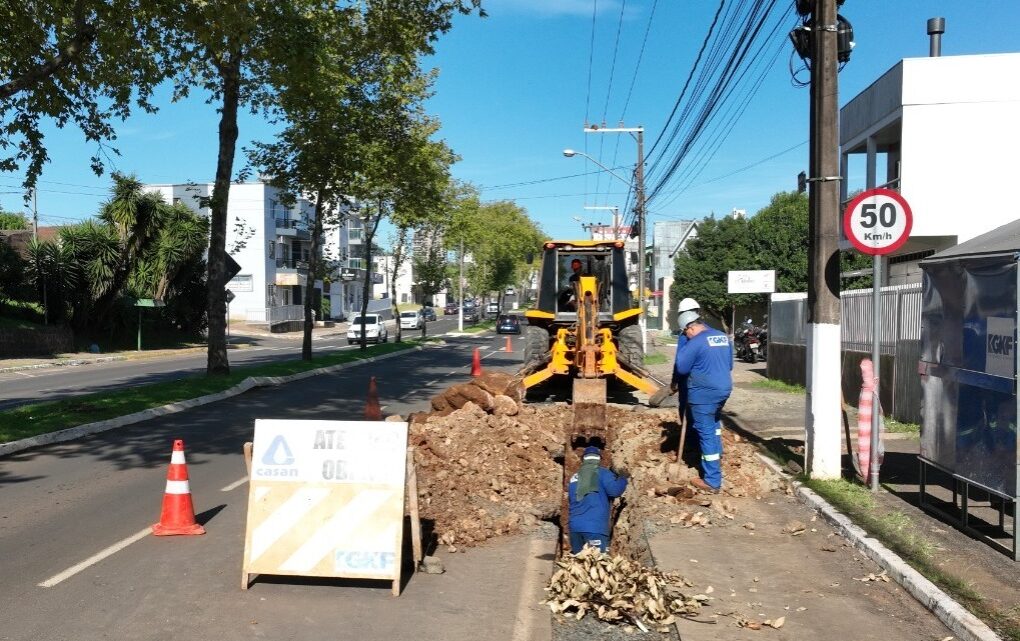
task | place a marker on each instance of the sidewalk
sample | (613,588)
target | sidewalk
(986,579)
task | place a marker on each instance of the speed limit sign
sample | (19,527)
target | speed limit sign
(878,221)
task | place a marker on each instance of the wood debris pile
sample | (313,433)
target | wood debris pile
(487,468)
(617,590)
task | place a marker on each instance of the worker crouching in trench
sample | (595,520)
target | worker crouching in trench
(590,493)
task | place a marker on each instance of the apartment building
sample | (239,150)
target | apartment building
(272,243)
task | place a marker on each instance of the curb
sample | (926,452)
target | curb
(64,363)
(963,624)
(251,382)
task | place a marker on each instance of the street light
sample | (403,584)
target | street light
(570,153)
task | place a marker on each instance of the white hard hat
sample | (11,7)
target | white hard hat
(686,318)
(687,305)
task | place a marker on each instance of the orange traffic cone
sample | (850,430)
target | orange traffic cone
(178,515)
(476,364)
(372,410)
(509,345)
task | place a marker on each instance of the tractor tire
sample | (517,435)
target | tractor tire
(628,344)
(536,345)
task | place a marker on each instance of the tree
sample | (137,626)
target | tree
(13,220)
(80,61)
(430,267)
(349,115)
(701,272)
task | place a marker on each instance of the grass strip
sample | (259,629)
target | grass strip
(655,359)
(51,416)
(778,386)
(900,534)
(892,425)
(481,327)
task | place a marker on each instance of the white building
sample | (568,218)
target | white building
(271,243)
(945,133)
(404,282)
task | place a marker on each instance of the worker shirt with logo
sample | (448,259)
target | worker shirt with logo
(707,360)
(591,513)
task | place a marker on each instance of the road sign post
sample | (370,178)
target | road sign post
(877,222)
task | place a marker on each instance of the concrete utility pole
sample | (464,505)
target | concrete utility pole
(460,310)
(823,451)
(639,209)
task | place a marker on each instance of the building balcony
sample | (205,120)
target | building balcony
(284,263)
(292,227)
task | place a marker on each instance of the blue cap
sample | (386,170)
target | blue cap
(591,450)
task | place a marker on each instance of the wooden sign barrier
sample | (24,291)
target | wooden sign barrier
(326,499)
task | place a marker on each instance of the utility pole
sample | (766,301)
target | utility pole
(639,211)
(35,237)
(823,452)
(460,306)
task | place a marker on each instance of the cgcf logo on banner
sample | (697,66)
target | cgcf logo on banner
(1000,346)
(878,221)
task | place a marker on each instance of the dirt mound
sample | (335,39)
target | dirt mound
(487,466)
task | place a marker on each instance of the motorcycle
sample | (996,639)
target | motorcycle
(748,343)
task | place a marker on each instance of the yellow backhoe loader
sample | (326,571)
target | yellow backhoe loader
(585,326)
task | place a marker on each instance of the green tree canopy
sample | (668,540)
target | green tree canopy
(13,220)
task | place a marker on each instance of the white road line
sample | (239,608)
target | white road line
(24,374)
(95,558)
(528,595)
(236,484)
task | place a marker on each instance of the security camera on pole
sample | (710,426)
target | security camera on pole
(877,222)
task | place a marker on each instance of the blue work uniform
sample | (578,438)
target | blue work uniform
(589,517)
(707,361)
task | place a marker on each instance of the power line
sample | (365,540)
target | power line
(612,66)
(591,55)
(637,66)
(546,180)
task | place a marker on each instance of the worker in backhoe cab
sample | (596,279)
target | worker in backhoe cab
(590,492)
(568,301)
(706,359)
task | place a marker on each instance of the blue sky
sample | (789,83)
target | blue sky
(513,92)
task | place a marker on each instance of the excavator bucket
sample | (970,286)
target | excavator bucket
(589,397)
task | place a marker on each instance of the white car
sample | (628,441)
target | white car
(375,330)
(411,320)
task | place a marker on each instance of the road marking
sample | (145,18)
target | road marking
(95,558)
(236,484)
(524,619)
(24,374)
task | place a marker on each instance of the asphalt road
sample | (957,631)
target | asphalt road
(49,384)
(62,505)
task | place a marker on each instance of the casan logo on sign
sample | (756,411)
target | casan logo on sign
(718,341)
(1000,343)
(277,456)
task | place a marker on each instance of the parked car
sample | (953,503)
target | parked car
(471,314)
(411,320)
(428,313)
(508,324)
(450,309)
(492,310)
(373,327)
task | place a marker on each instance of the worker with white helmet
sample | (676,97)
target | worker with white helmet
(704,357)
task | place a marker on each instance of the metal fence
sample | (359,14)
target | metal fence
(901,318)
(273,315)
(900,347)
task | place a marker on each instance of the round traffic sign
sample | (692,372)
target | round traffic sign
(878,221)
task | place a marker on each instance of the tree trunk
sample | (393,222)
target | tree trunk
(313,269)
(369,237)
(230,76)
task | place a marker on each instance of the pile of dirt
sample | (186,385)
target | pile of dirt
(487,466)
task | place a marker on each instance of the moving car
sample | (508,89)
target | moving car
(471,314)
(492,310)
(508,324)
(372,326)
(429,313)
(411,320)
(450,309)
